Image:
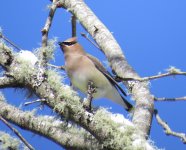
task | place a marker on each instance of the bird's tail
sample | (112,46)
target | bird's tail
(116,97)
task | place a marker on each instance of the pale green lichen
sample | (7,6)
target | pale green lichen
(54,79)
(48,51)
(24,65)
(64,92)
(121,131)
(7,142)
(30,114)
(123,137)
(6,52)
(173,70)
(23,71)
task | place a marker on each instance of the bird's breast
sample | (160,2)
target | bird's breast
(81,72)
(80,81)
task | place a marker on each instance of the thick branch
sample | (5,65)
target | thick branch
(143,113)
(8,82)
(168,130)
(56,131)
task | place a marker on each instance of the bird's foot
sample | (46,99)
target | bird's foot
(90,91)
(91,88)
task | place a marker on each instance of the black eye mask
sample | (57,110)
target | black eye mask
(69,43)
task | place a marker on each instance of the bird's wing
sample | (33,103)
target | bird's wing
(102,69)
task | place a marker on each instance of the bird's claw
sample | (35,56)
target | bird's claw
(91,89)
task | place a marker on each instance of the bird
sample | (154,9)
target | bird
(83,68)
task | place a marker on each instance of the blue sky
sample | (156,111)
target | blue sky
(152,35)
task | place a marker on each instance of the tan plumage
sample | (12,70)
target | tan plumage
(82,67)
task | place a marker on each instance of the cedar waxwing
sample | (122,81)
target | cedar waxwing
(83,68)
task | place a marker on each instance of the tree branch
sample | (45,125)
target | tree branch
(57,67)
(86,37)
(170,99)
(47,126)
(17,133)
(36,101)
(161,76)
(6,56)
(45,32)
(10,42)
(168,130)
(152,77)
(6,82)
(48,23)
(73,22)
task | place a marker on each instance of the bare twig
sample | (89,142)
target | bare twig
(57,67)
(46,29)
(36,101)
(162,75)
(170,99)
(168,130)
(10,42)
(48,24)
(73,21)
(86,37)
(17,133)
(151,77)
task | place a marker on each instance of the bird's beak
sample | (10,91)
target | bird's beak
(60,43)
